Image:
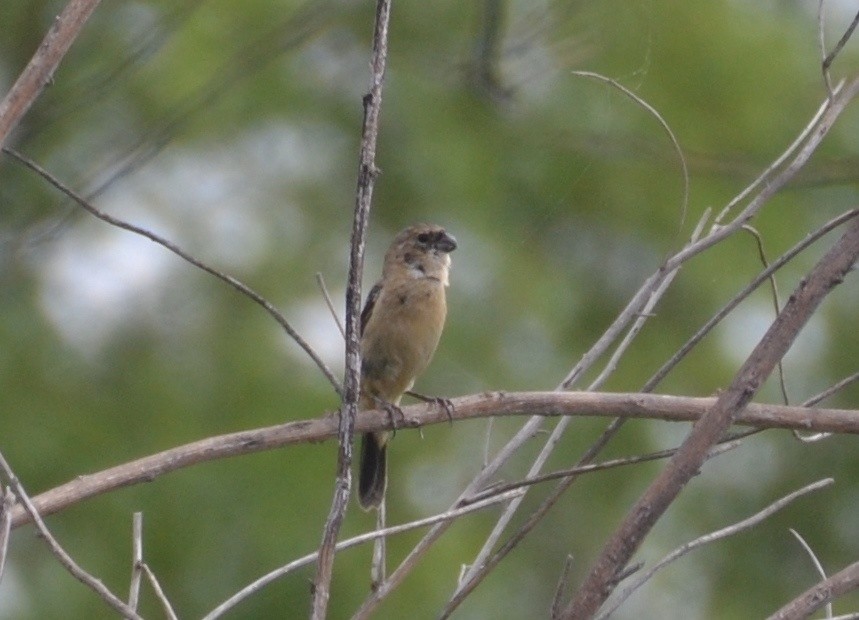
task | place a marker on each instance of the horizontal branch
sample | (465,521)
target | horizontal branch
(487,404)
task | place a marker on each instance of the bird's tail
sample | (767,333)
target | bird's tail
(373,473)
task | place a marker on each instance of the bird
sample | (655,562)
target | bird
(401,325)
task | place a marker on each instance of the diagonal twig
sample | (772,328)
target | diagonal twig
(712,537)
(266,579)
(64,558)
(241,287)
(40,70)
(826,274)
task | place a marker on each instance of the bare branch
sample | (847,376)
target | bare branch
(531,522)
(367,172)
(40,70)
(561,588)
(139,230)
(817,596)
(712,537)
(830,58)
(263,581)
(759,244)
(590,468)
(821,43)
(320,281)
(748,290)
(7,501)
(159,593)
(817,565)
(780,160)
(136,559)
(653,112)
(594,404)
(64,558)
(831,390)
(827,274)
(481,566)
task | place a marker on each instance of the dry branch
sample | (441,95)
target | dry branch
(819,595)
(40,70)
(61,554)
(829,272)
(590,404)
(352,381)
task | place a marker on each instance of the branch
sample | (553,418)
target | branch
(240,286)
(7,501)
(483,564)
(266,579)
(828,273)
(819,595)
(367,172)
(589,404)
(712,537)
(64,558)
(40,70)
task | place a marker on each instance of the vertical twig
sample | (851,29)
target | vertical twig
(136,559)
(367,172)
(65,559)
(828,272)
(561,589)
(40,70)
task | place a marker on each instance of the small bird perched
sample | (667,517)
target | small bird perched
(401,325)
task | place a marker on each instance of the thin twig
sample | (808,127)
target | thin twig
(748,290)
(821,44)
(136,559)
(712,537)
(831,390)
(817,565)
(842,582)
(320,281)
(653,112)
(64,558)
(781,159)
(159,593)
(590,468)
(40,70)
(825,276)
(367,173)
(268,578)
(759,243)
(242,288)
(7,501)
(483,564)
(828,60)
(561,588)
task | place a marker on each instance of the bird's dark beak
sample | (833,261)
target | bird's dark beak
(446,243)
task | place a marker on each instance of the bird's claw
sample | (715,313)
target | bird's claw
(439,401)
(395,414)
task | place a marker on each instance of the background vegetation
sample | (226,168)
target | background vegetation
(232,129)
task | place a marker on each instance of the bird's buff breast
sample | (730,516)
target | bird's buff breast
(401,339)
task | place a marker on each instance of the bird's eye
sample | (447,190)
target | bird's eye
(423,237)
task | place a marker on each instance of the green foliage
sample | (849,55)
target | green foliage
(232,129)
